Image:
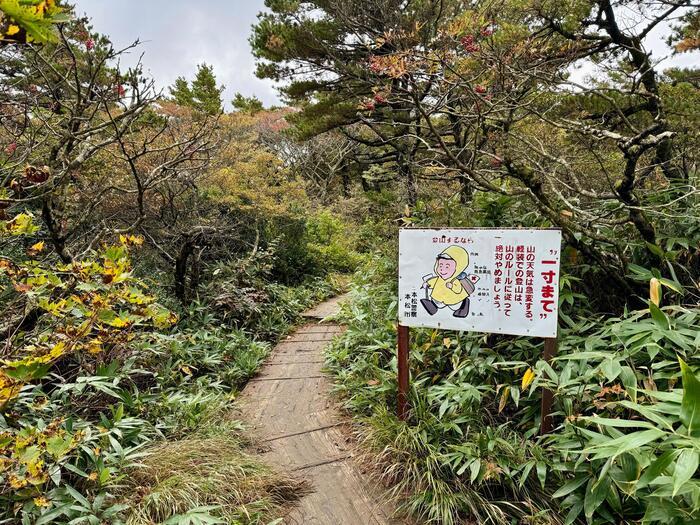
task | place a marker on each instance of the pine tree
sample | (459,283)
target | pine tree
(181,92)
(319,51)
(205,93)
(245,104)
(202,94)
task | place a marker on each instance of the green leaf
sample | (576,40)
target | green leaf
(542,472)
(515,395)
(526,472)
(28,372)
(595,495)
(58,446)
(571,486)
(690,405)
(640,271)
(686,465)
(119,413)
(575,510)
(199,515)
(474,468)
(629,381)
(611,368)
(30,454)
(656,250)
(107,316)
(77,496)
(659,317)
(625,443)
(619,423)
(664,511)
(671,284)
(656,468)
(650,413)
(50,516)
(613,499)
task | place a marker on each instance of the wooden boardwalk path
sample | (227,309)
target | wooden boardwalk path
(289,407)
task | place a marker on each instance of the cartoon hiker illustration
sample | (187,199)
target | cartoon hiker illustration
(451,286)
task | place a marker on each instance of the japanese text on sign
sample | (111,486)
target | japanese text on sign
(499,281)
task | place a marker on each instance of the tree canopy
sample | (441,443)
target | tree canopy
(202,93)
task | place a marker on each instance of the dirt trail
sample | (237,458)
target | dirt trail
(289,407)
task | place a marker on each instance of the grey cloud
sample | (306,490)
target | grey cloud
(178,35)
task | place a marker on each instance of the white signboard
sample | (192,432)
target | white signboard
(482,280)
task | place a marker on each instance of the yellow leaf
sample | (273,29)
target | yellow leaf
(35,468)
(9,393)
(12,30)
(38,247)
(655,291)
(119,322)
(504,399)
(16,482)
(95,346)
(58,350)
(528,378)
(22,224)
(447,342)
(41,501)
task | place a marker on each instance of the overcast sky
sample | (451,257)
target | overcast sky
(177,35)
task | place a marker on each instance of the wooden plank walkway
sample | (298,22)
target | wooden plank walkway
(289,408)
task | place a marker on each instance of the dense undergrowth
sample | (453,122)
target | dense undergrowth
(128,417)
(626,439)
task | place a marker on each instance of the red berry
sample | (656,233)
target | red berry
(90,44)
(480,89)
(379,99)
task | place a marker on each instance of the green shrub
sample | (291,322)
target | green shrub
(244,294)
(624,448)
(330,244)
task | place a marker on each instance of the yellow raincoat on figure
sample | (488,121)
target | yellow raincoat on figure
(450,286)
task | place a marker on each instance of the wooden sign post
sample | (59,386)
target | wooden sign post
(501,281)
(550,350)
(402,399)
